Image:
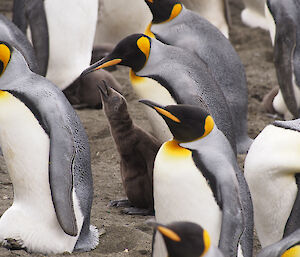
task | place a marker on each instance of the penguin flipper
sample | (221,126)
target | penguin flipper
(277,249)
(293,222)
(19,16)
(284,47)
(36,15)
(62,155)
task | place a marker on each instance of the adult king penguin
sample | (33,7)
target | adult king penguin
(186,239)
(287,247)
(169,75)
(195,178)
(48,159)
(272,172)
(175,25)
(285,36)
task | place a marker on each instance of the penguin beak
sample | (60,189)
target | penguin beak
(103,63)
(104,90)
(165,231)
(161,110)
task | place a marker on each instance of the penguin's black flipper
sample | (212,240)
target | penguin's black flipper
(33,13)
(19,15)
(284,47)
(278,249)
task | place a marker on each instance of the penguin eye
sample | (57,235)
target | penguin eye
(5,54)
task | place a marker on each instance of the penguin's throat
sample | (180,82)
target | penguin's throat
(172,148)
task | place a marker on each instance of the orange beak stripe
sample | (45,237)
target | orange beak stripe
(169,233)
(109,63)
(167,114)
(151,1)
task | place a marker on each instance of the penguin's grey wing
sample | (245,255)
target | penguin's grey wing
(284,47)
(277,249)
(227,12)
(36,15)
(19,15)
(293,222)
(51,111)
(220,177)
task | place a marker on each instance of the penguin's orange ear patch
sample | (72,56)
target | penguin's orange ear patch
(144,45)
(5,55)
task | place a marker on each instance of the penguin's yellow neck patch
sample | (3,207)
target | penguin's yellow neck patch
(172,148)
(3,94)
(209,125)
(175,12)
(148,31)
(292,252)
(134,78)
(206,240)
(5,55)
(144,45)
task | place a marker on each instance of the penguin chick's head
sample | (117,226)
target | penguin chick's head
(184,239)
(114,103)
(186,122)
(133,51)
(164,10)
(5,56)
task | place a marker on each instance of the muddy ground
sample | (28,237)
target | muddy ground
(129,235)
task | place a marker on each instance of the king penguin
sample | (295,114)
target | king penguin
(11,34)
(284,18)
(272,172)
(137,150)
(175,25)
(196,179)
(254,14)
(287,247)
(187,239)
(169,75)
(48,160)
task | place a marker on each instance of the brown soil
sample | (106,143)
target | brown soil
(129,235)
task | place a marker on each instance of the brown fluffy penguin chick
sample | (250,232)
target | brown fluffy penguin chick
(83,92)
(137,151)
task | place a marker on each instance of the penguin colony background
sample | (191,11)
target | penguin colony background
(124,235)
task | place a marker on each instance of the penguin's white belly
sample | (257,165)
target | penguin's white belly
(254,14)
(280,105)
(270,168)
(181,193)
(120,18)
(212,10)
(149,89)
(72,26)
(31,218)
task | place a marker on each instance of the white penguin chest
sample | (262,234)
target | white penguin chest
(270,168)
(31,218)
(150,89)
(181,192)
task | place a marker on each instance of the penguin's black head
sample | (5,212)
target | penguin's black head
(164,10)
(5,55)
(186,122)
(133,51)
(184,239)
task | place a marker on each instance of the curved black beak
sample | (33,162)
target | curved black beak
(103,63)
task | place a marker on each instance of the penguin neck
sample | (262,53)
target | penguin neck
(17,69)
(120,123)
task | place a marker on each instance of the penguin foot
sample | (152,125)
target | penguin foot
(268,100)
(120,203)
(13,244)
(137,211)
